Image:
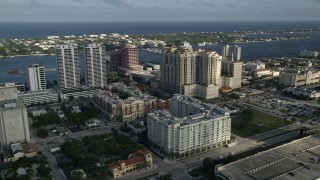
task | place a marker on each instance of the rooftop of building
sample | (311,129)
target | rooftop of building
(130,46)
(138,157)
(168,118)
(11,104)
(298,159)
(37,93)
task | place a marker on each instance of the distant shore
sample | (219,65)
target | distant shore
(25,55)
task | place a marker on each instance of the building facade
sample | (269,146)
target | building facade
(95,65)
(19,85)
(299,78)
(13,117)
(231,74)
(193,73)
(126,60)
(36,77)
(115,60)
(68,66)
(189,127)
(39,97)
(231,53)
(140,159)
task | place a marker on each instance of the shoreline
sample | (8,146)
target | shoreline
(25,55)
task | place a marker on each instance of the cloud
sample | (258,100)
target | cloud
(117,3)
(34,2)
(78,1)
(230,5)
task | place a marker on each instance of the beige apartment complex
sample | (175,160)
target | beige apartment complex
(198,73)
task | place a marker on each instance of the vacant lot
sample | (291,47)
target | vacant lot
(261,122)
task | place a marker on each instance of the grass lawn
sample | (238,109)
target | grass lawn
(260,123)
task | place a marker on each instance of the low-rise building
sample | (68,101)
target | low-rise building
(19,150)
(311,54)
(136,127)
(141,159)
(299,78)
(298,159)
(258,73)
(92,123)
(76,93)
(39,97)
(134,106)
(37,111)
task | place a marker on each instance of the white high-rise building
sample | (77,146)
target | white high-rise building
(68,66)
(231,53)
(36,76)
(14,126)
(95,65)
(189,127)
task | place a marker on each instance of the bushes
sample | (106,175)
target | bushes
(46,119)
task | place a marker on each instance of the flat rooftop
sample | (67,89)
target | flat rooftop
(299,159)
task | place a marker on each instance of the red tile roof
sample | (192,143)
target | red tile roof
(138,157)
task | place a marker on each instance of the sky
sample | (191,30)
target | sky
(158,10)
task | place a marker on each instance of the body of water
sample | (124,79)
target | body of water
(249,50)
(42,29)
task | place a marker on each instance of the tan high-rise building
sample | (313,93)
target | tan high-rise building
(68,66)
(193,73)
(95,65)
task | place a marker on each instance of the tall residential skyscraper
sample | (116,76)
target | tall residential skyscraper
(193,73)
(14,126)
(231,53)
(36,76)
(68,66)
(95,65)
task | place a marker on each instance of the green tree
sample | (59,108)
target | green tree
(88,162)
(71,98)
(42,132)
(73,149)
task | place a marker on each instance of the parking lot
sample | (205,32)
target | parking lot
(281,107)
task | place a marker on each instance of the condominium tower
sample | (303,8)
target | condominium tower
(68,66)
(36,76)
(95,65)
(189,127)
(193,73)
(14,126)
